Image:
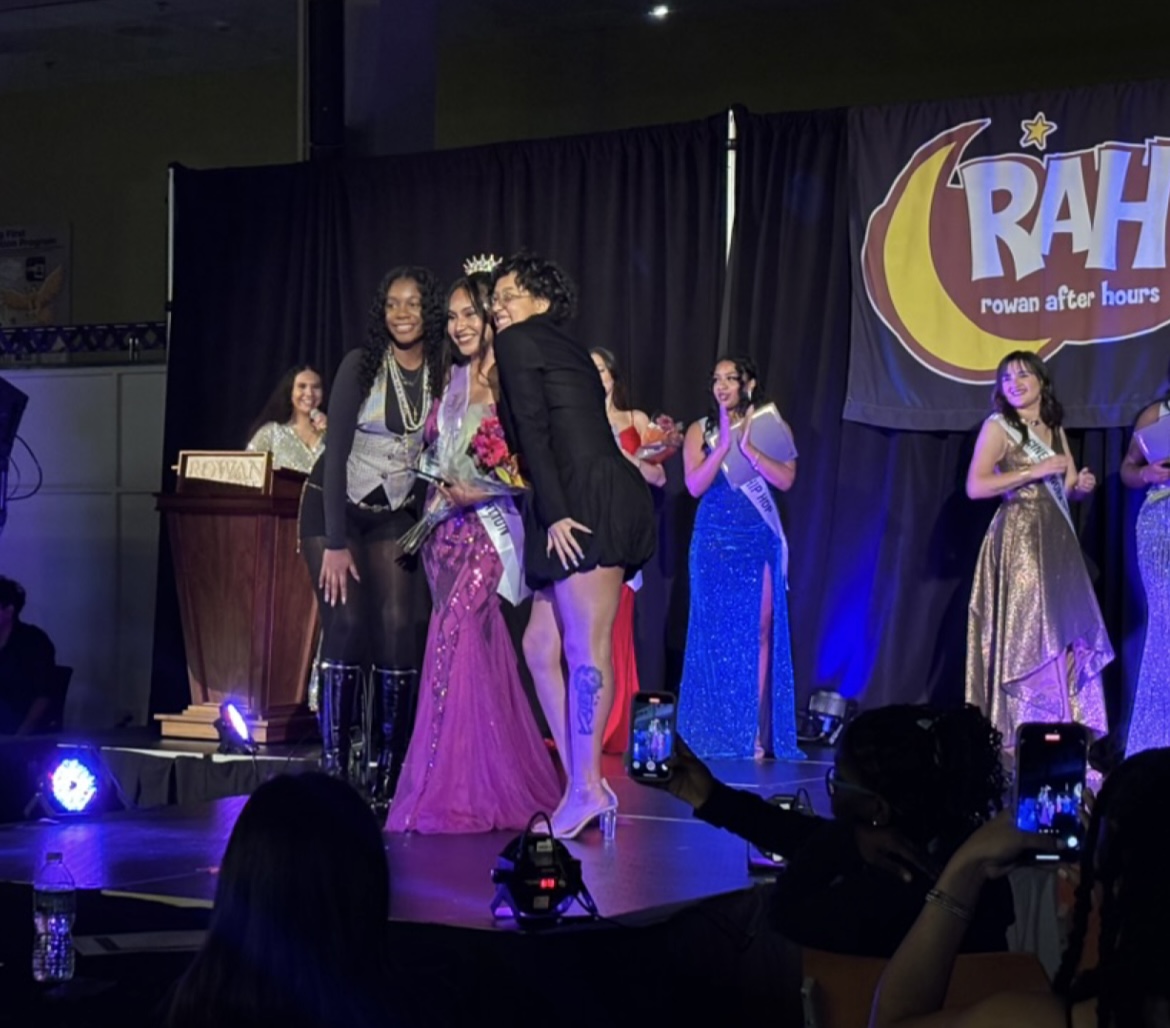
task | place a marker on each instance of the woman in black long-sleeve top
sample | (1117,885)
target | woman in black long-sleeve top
(361,496)
(589,521)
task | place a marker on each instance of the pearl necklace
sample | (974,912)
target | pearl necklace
(412,418)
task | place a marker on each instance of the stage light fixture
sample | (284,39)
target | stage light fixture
(234,734)
(73,782)
(659,11)
(827,713)
(537,879)
(73,785)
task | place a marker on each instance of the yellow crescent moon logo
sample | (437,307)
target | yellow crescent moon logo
(901,279)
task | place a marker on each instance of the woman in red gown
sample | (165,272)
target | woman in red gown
(629,426)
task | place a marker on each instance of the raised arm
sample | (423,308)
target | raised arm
(914,985)
(985,481)
(654,474)
(1136,471)
(779,474)
(521,368)
(702,467)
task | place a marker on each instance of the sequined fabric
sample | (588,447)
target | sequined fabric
(286,447)
(1149,723)
(476,761)
(1036,643)
(719,701)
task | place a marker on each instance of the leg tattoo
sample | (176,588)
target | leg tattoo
(587,684)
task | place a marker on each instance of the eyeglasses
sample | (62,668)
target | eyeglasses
(834,782)
(505,299)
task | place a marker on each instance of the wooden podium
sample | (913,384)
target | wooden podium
(247,605)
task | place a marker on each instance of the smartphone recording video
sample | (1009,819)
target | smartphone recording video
(1050,780)
(651,736)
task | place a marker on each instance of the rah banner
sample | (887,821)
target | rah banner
(980,227)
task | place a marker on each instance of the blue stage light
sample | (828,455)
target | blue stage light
(73,785)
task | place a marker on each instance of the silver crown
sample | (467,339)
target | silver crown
(485,262)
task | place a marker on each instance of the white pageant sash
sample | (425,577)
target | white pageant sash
(506,531)
(1036,451)
(756,490)
(499,518)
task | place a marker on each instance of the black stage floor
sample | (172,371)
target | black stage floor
(661,857)
(147,879)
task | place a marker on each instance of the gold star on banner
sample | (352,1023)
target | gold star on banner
(1036,131)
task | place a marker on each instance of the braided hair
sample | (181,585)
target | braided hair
(434,338)
(1125,853)
(940,770)
(1051,411)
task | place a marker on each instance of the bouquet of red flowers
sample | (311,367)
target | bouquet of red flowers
(489,450)
(474,460)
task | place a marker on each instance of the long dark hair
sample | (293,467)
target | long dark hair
(478,286)
(745,367)
(1051,412)
(940,770)
(279,407)
(298,933)
(621,401)
(1125,853)
(434,312)
(544,279)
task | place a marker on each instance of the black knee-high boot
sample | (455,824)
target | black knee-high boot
(338,689)
(397,695)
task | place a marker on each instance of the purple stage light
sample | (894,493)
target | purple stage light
(232,715)
(234,734)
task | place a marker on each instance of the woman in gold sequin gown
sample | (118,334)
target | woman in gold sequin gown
(1036,643)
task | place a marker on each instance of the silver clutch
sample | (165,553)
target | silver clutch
(1155,440)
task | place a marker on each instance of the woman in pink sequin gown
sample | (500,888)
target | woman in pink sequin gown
(476,760)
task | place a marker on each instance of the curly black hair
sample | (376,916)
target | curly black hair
(940,769)
(746,368)
(544,279)
(1125,853)
(434,341)
(1051,412)
(279,407)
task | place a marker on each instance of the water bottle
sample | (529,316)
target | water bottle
(54,906)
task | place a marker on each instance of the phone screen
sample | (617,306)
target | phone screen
(1050,780)
(651,736)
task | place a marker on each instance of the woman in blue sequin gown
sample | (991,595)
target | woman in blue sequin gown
(1149,723)
(737,697)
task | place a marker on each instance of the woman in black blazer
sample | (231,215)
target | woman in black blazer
(588,521)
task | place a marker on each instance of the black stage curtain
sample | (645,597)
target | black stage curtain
(883,538)
(278,265)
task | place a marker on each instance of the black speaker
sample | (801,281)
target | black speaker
(12,404)
(324,33)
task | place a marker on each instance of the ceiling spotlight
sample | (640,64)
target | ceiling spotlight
(659,11)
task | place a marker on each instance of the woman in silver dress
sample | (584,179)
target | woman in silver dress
(1149,722)
(291,425)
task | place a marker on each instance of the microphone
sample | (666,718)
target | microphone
(314,416)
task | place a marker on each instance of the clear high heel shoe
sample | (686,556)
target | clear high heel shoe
(604,813)
(606,820)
